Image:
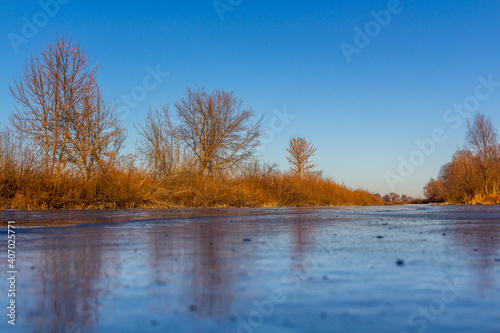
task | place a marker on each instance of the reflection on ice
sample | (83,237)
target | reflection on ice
(249,270)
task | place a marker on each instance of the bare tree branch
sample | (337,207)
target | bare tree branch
(60,108)
(159,145)
(482,138)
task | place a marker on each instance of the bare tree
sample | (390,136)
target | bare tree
(46,95)
(300,153)
(159,145)
(96,134)
(482,138)
(217,129)
(60,108)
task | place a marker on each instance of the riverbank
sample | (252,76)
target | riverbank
(123,189)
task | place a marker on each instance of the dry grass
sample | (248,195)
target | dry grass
(129,188)
(490,199)
(25,185)
(115,191)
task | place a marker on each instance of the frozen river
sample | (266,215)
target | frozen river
(383,269)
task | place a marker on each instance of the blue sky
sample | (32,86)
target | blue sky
(285,57)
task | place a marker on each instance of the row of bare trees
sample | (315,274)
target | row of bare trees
(473,176)
(213,133)
(62,148)
(60,110)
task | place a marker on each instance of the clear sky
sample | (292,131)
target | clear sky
(361,86)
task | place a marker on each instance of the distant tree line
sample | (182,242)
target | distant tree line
(473,175)
(395,198)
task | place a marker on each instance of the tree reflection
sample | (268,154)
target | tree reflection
(197,250)
(481,241)
(66,275)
